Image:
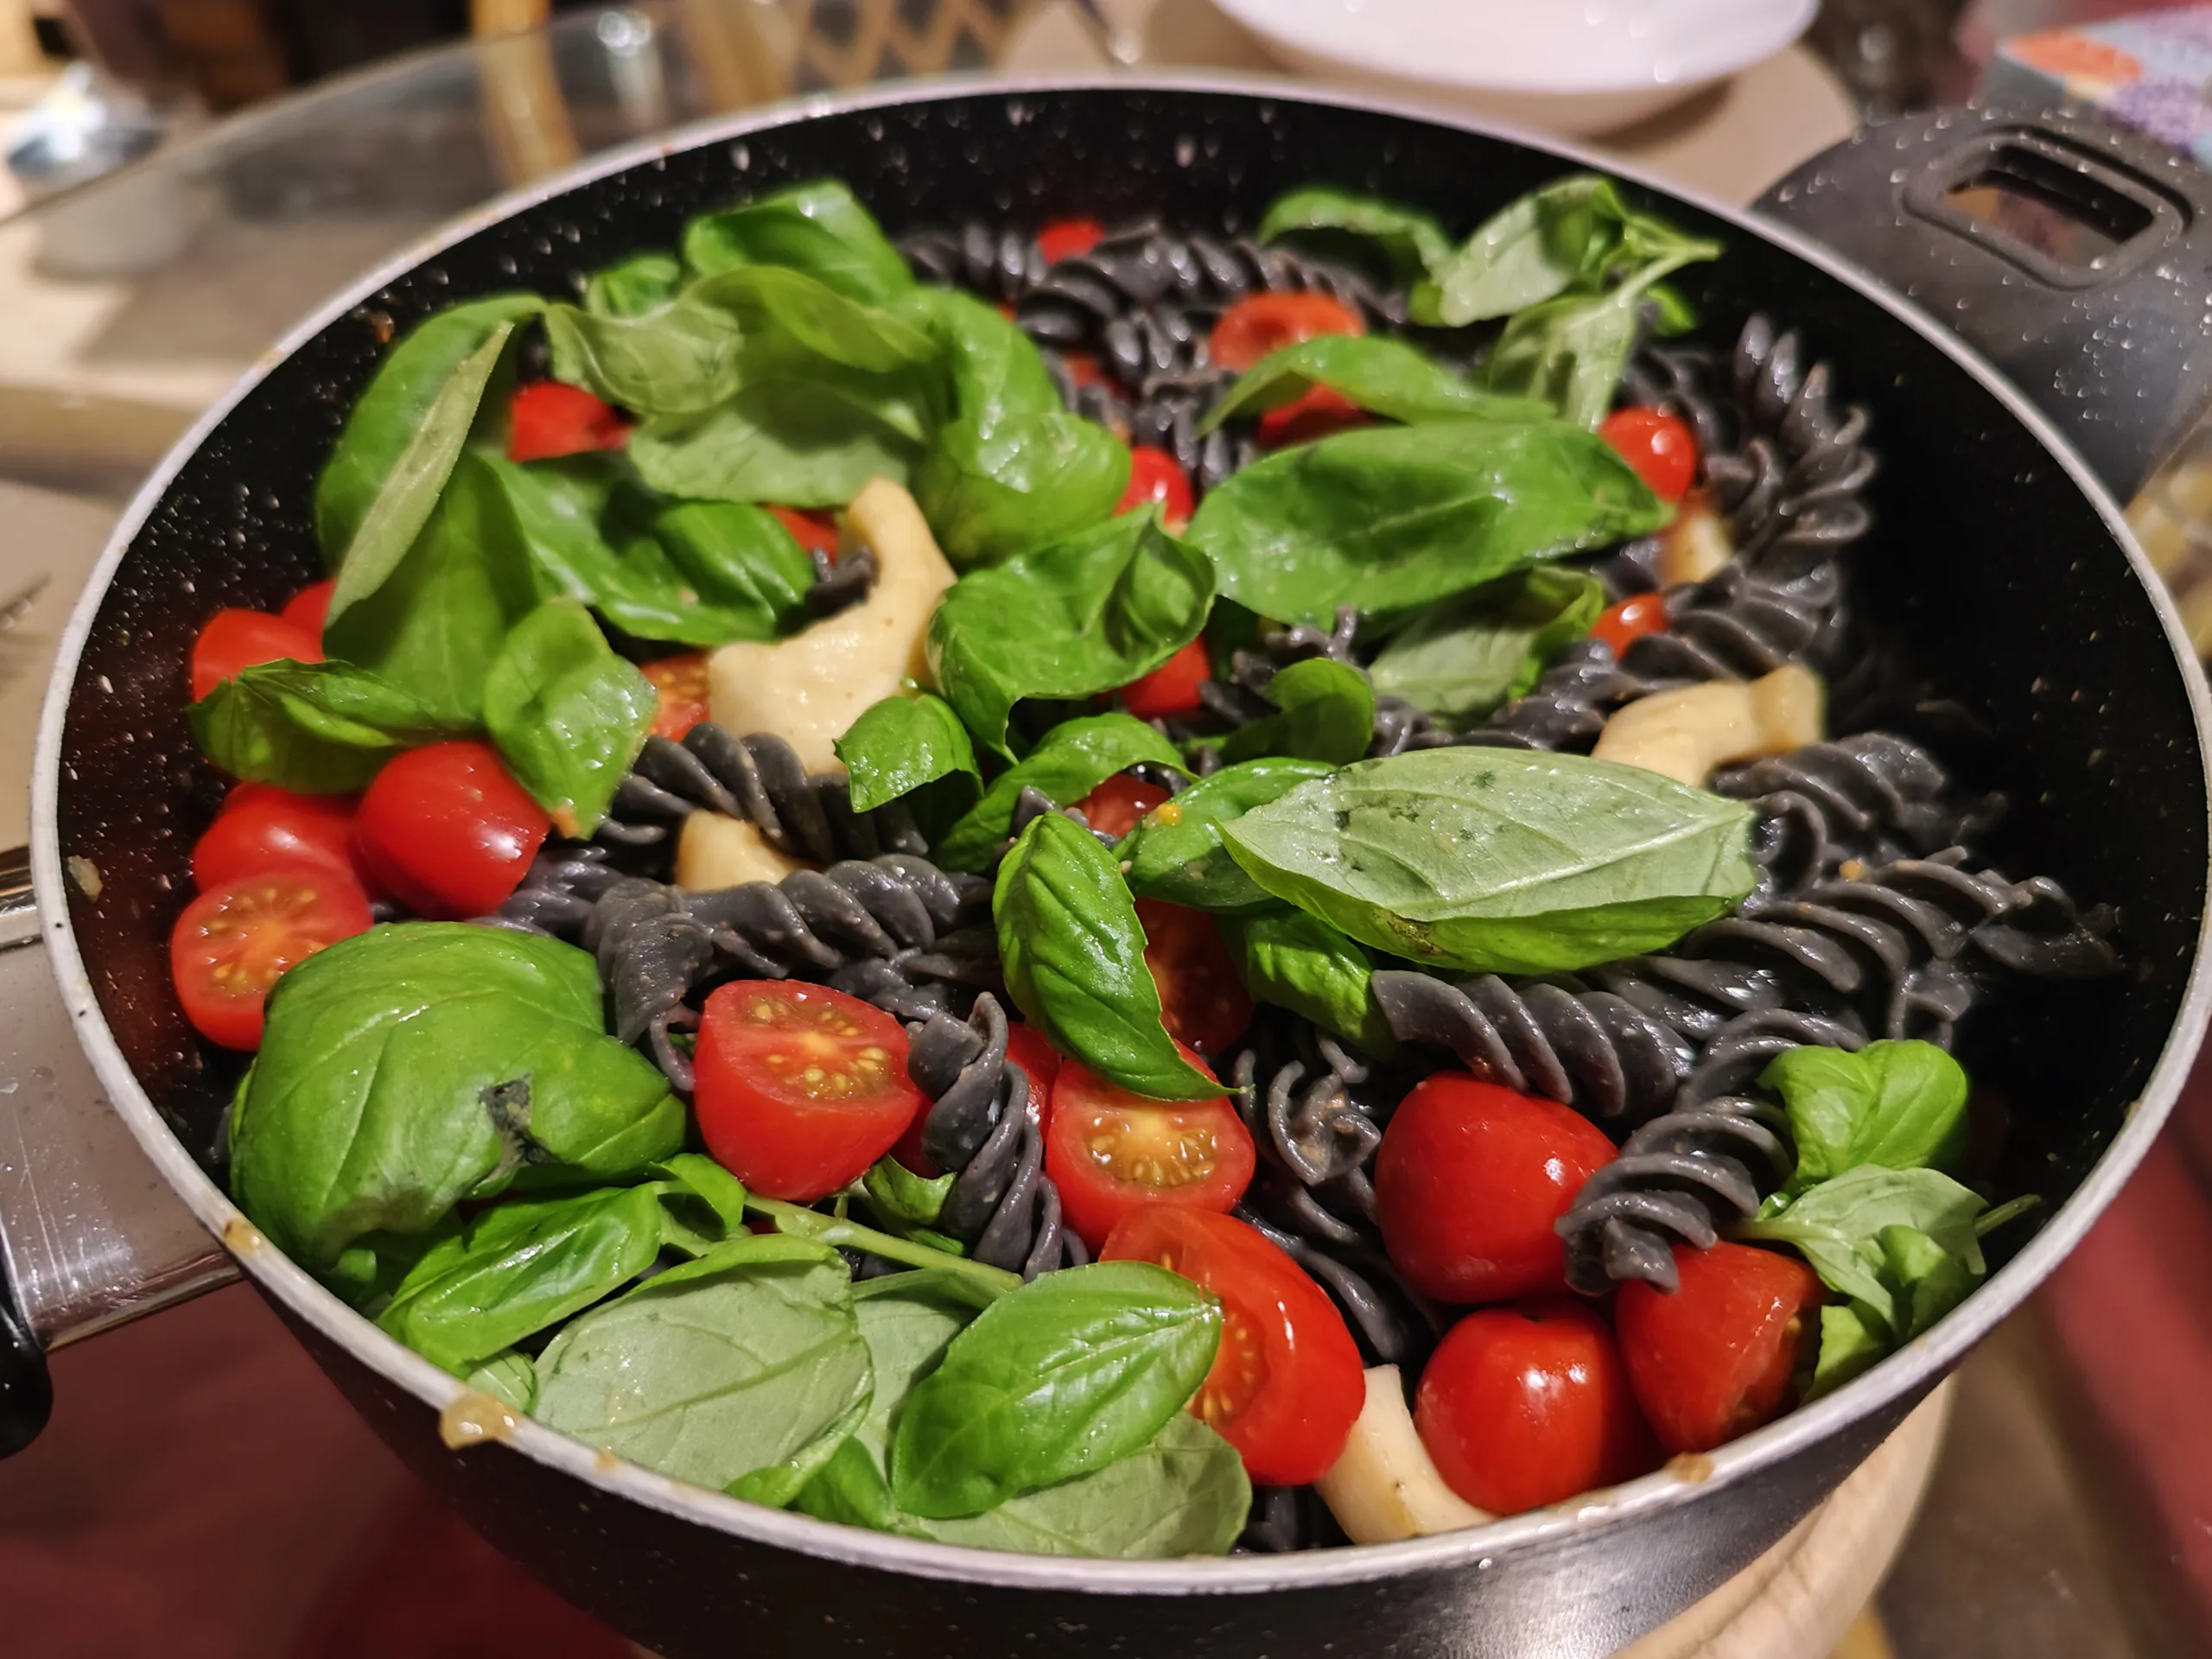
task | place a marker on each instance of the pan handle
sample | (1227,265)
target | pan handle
(2069,251)
(90,1234)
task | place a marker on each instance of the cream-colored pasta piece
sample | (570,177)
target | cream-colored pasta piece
(1696,547)
(715,850)
(1384,1486)
(1685,733)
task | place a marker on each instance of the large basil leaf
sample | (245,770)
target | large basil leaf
(1069,1374)
(901,743)
(1499,861)
(742,1371)
(402,436)
(1533,248)
(1073,953)
(799,442)
(1902,1105)
(568,715)
(632,287)
(676,359)
(1383,376)
(1842,1227)
(321,728)
(786,309)
(1392,517)
(1411,244)
(1175,853)
(1070,761)
(1325,710)
(417,1065)
(817,227)
(1290,960)
(1458,661)
(1096,610)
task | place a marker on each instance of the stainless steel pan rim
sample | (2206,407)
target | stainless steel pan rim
(1905,1374)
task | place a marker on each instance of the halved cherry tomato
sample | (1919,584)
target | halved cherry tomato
(1109,1151)
(1315,413)
(1468,1181)
(235,639)
(1203,1000)
(549,419)
(1286,1385)
(448,830)
(1530,1404)
(815,531)
(800,1088)
(1623,624)
(1261,323)
(1116,804)
(1715,1360)
(262,827)
(1660,447)
(1154,475)
(309,608)
(1026,1047)
(236,939)
(1066,238)
(1171,688)
(682,683)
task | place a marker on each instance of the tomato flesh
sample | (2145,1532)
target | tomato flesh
(800,1088)
(1315,413)
(1623,624)
(1287,1384)
(1156,475)
(309,608)
(236,640)
(1529,1404)
(815,532)
(680,682)
(1116,805)
(448,830)
(1203,1000)
(1468,1180)
(1110,1151)
(1068,238)
(262,828)
(1261,323)
(550,418)
(1717,1358)
(1660,447)
(236,940)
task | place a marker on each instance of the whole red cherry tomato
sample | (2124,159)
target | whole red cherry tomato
(1203,1000)
(1171,688)
(1623,624)
(1286,1385)
(1109,1151)
(448,830)
(236,939)
(815,531)
(1660,447)
(1530,1404)
(549,419)
(236,640)
(682,683)
(1716,1358)
(1315,413)
(1067,239)
(1156,476)
(1261,323)
(1116,804)
(800,1088)
(1468,1180)
(1026,1047)
(262,827)
(309,608)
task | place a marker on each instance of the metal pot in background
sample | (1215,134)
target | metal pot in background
(2017,627)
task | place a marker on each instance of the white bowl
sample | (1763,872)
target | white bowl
(1568,66)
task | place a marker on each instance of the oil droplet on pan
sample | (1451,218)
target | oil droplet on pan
(470,1418)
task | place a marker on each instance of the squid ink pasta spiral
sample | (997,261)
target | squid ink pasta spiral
(982,1121)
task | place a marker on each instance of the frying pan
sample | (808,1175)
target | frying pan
(2019,630)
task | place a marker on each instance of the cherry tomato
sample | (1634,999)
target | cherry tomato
(1202,999)
(1285,1384)
(1026,1047)
(1468,1181)
(1261,323)
(233,942)
(1116,804)
(1530,1404)
(1315,413)
(1068,239)
(1716,1358)
(309,608)
(1660,447)
(682,683)
(1082,369)
(549,419)
(1623,624)
(1109,1151)
(448,830)
(1154,476)
(1171,688)
(234,639)
(262,827)
(800,1088)
(815,532)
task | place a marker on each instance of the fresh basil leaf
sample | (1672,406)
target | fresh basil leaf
(1073,953)
(779,303)
(817,227)
(1175,853)
(1410,243)
(801,443)
(692,1176)
(901,743)
(749,573)
(510,1377)
(1459,660)
(1070,761)
(321,729)
(1851,1341)
(403,434)
(1383,376)
(417,1065)
(1290,960)
(677,358)
(1073,1372)
(1931,1279)
(904,1197)
(1096,611)
(1902,1105)
(1393,518)
(568,715)
(1497,861)
(1570,351)
(632,287)
(1533,248)
(1325,710)
(1839,1228)
(993,371)
(742,1371)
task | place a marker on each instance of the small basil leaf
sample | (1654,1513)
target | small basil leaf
(817,227)
(1410,243)
(780,304)
(1852,1340)
(1931,1279)
(1532,248)
(1497,861)
(797,442)
(1175,853)
(1070,761)
(1458,661)
(632,287)
(677,358)
(1290,960)
(904,1197)
(1383,376)
(568,715)
(1325,711)
(508,1378)
(320,728)
(901,743)
(1073,952)
(1837,1227)
(1066,1375)
(1898,1104)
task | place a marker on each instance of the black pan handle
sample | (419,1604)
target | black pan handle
(2072,253)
